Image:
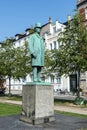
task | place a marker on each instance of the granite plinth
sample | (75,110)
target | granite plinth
(38,103)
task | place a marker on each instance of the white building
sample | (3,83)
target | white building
(50,32)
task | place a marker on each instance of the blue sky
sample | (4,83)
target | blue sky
(18,15)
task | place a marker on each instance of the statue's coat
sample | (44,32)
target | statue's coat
(37,48)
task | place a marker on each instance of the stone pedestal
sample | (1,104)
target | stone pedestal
(38,103)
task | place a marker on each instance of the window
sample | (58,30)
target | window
(50,46)
(58,79)
(54,29)
(59,30)
(86,13)
(58,44)
(54,44)
(19,87)
(23,80)
(52,79)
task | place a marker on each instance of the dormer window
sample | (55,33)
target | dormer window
(54,29)
(17,36)
(27,31)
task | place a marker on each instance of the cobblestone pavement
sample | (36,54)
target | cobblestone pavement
(62,122)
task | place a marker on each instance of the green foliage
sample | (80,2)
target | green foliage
(48,62)
(14,61)
(6,53)
(72,55)
(7,57)
(79,101)
(22,62)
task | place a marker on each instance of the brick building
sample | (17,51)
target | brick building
(82,8)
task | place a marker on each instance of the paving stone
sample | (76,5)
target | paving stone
(63,122)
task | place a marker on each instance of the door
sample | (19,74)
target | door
(73,83)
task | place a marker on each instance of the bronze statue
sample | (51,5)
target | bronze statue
(37,50)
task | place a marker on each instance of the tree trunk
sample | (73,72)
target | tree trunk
(9,85)
(78,83)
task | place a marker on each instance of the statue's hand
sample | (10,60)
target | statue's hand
(33,55)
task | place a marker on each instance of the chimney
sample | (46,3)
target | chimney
(50,20)
(79,0)
(69,18)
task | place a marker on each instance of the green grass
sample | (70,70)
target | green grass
(62,101)
(68,103)
(9,109)
(15,98)
(71,114)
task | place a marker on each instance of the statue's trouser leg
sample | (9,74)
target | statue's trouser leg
(39,74)
(34,74)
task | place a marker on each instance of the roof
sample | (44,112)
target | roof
(82,2)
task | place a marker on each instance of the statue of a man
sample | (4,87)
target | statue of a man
(37,50)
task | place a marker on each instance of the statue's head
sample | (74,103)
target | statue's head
(38,25)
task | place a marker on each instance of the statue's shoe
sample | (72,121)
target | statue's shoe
(40,80)
(35,80)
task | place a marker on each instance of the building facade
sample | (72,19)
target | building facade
(50,32)
(82,8)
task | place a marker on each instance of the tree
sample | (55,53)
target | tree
(22,62)
(15,62)
(7,60)
(48,62)
(72,55)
